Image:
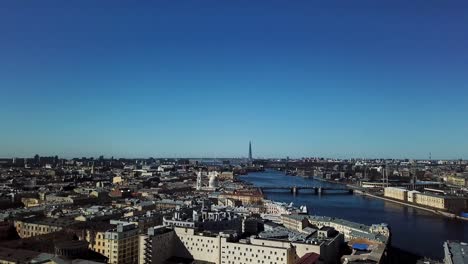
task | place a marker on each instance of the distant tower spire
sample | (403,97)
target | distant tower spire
(250,150)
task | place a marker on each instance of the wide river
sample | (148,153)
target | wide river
(413,230)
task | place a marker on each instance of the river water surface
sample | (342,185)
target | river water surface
(414,230)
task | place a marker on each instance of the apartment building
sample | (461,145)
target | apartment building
(161,243)
(396,193)
(122,244)
(168,204)
(325,242)
(460,180)
(412,196)
(226,175)
(96,239)
(449,203)
(159,240)
(245,196)
(112,241)
(213,248)
(378,232)
(197,245)
(34,226)
(294,222)
(275,208)
(256,251)
(30,202)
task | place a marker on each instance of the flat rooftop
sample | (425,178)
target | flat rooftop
(49,221)
(458,251)
(17,255)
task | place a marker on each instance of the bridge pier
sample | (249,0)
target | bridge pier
(294,190)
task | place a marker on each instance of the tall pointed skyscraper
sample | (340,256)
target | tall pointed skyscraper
(250,150)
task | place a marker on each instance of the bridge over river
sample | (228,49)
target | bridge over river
(308,189)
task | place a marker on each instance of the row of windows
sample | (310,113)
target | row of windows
(253,255)
(200,249)
(256,256)
(198,239)
(99,243)
(248,261)
(102,251)
(196,244)
(247,249)
(41,228)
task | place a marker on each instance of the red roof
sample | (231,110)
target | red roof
(309,258)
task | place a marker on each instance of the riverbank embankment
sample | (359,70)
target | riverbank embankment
(431,210)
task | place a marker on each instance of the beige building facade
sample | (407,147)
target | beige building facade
(458,180)
(396,193)
(453,204)
(122,244)
(34,227)
(223,248)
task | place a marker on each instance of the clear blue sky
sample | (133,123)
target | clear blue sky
(202,78)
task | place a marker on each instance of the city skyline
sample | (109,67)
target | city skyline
(244,157)
(362,79)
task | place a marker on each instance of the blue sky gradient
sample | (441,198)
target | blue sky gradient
(202,78)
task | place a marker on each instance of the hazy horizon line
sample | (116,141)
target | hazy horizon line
(227,158)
